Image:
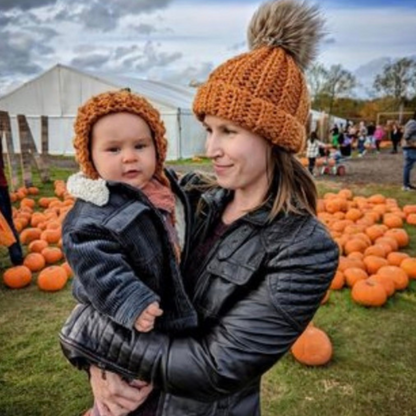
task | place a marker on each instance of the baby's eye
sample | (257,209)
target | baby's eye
(140,146)
(113,149)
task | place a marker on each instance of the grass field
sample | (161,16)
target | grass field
(373,372)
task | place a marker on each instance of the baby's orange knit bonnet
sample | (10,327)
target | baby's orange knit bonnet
(116,102)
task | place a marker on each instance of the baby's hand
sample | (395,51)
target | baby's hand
(146,321)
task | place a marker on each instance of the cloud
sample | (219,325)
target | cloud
(184,76)
(238,46)
(15,52)
(24,5)
(106,16)
(90,61)
(143,28)
(151,58)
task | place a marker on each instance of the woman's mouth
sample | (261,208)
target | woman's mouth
(221,169)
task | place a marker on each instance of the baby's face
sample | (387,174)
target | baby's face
(123,150)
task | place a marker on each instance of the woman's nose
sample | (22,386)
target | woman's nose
(212,147)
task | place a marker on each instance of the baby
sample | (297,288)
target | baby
(123,236)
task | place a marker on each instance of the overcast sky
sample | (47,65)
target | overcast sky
(179,40)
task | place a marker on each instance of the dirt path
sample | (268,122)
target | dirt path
(384,168)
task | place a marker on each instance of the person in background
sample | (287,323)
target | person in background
(396,135)
(260,260)
(378,135)
(312,150)
(371,128)
(346,145)
(15,250)
(409,152)
(362,136)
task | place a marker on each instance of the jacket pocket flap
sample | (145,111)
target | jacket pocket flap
(236,273)
(123,217)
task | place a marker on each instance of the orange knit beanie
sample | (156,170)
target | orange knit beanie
(264,90)
(116,102)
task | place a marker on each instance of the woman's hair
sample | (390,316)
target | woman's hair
(293,189)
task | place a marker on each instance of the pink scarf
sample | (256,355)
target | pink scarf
(162,198)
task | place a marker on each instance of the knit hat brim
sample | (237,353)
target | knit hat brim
(224,100)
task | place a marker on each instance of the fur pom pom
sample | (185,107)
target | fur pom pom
(290,24)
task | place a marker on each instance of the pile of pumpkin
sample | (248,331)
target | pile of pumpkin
(370,234)
(39,224)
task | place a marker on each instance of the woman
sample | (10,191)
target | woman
(395,136)
(261,261)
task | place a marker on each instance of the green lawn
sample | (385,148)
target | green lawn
(372,372)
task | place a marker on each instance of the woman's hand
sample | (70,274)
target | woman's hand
(114,396)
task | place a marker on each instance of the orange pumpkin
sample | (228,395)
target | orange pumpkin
(37,218)
(409,266)
(386,281)
(353,214)
(34,262)
(52,236)
(353,275)
(374,232)
(36,246)
(392,221)
(373,263)
(389,240)
(396,257)
(313,347)
(33,190)
(356,255)
(52,279)
(396,274)
(346,263)
(411,219)
(355,244)
(338,281)
(377,199)
(30,234)
(52,254)
(375,250)
(68,269)
(409,209)
(17,277)
(400,235)
(345,193)
(27,202)
(369,293)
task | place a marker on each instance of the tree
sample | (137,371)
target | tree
(398,80)
(316,77)
(328,85)
(339,83)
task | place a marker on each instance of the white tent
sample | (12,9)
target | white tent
(58,92)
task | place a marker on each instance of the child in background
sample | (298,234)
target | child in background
(312,150)
(123,237)
(378,136)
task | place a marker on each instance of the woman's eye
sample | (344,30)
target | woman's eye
(228,131)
